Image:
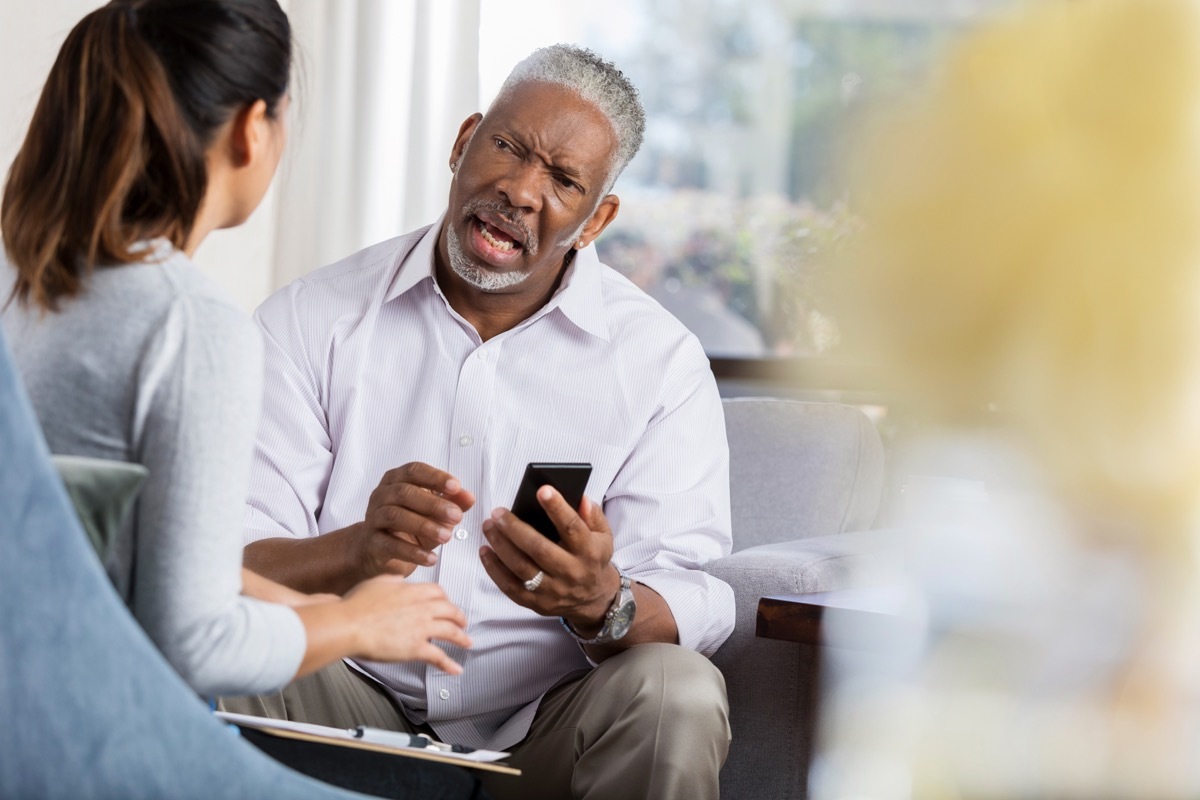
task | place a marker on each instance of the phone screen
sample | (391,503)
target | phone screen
(569,479)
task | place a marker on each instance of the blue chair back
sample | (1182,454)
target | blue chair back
(88,707)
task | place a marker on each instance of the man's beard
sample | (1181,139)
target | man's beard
(482,279)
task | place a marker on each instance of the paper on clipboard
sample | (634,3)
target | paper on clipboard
(326,732)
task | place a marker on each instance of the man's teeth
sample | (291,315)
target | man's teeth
(493,241)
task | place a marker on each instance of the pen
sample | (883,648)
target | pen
(398,739)
(393,738)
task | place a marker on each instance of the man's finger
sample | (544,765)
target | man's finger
(462,498)
(434,480)
(408,524)
(392,549)
(566,519)
(593,516)
(496,530)
(417,500)
(502,576)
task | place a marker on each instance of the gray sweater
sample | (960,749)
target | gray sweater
(153,364)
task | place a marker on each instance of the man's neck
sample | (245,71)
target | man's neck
(492,313)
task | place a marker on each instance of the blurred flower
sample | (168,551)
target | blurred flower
(1029,270)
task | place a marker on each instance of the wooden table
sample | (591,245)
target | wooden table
(866,619)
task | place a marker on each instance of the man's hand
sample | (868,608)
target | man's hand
(411,512)
(580,581)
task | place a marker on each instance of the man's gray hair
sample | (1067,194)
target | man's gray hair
(595,80)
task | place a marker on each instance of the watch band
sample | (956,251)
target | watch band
(623,602)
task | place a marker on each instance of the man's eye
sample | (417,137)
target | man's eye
(567,183)
(501,144)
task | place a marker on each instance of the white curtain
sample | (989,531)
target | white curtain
(383,86)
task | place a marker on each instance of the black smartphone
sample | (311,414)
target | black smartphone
(569,479)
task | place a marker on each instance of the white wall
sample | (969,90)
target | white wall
(30,35)
(31,32)
(384,86)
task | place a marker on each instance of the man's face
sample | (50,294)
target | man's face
(528,186)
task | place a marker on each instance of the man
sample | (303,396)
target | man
(461,352)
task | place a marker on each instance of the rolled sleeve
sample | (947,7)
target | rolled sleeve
(293,453)
(701,604)
(669,505)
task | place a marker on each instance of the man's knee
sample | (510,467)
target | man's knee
(684,685)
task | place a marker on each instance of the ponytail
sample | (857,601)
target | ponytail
(115,153)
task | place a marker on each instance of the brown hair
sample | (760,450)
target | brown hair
(115,153)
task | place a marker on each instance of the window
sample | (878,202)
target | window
(734,207)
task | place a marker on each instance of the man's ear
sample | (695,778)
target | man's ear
(247,133)
(605,213)
(465,132)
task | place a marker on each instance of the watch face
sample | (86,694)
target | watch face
(622,619)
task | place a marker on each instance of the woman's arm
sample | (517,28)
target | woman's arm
(194,419)
(260,588)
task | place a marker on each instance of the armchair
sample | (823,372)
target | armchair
(806,481)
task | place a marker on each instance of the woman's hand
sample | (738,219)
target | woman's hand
(396,621)
(384,618)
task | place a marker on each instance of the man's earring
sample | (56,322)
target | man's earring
(581,245)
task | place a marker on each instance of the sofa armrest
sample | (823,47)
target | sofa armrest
(772,685)
(818,564)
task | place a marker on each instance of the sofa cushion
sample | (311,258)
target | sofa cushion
(800,469)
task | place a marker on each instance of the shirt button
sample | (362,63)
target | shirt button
(482,354)
(460,534)
(464,441)
(444,694)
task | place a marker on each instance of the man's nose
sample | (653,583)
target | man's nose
(521,186)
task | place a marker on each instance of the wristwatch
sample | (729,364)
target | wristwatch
(617,621)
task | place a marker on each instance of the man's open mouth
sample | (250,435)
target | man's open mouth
(499,232)
(496,237)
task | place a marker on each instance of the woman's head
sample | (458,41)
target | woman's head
(142,96)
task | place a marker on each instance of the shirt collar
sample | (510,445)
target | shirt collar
(580,297)
(417,264)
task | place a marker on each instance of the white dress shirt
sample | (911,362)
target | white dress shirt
(368,368)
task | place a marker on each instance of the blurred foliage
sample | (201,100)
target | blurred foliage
(738,187)
(810,242)
(765,257)
(850,62)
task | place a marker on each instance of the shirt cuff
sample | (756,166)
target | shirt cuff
(702,605)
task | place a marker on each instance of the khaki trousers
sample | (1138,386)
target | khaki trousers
(651,722)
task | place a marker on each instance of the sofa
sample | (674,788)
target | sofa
(806,482)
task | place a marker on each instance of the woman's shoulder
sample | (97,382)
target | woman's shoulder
(165,279)
(165,292)
(134,312)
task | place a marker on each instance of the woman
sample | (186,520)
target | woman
(160,122)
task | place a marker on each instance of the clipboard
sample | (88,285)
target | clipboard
(339,737)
